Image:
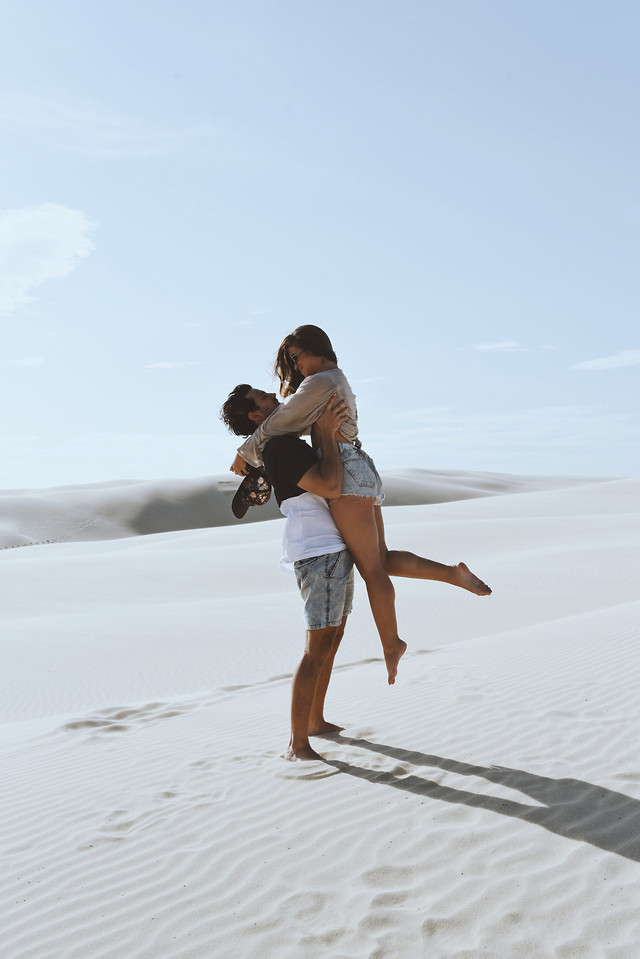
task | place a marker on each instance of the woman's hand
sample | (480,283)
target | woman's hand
(239,467)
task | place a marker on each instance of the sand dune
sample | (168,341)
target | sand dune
(133,508)
(486,807)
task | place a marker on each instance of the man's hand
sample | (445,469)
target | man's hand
(239,467)
(333,416)
(325,478)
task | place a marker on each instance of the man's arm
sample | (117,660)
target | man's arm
(325,478)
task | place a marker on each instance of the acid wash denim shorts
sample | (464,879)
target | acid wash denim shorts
(326,586)
(361,478)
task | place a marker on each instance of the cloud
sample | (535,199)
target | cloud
(508,346)
(25,361)
(164,365)
(39,243)
(93,130)
(625,358)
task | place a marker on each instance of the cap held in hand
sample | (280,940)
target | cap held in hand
(254,490)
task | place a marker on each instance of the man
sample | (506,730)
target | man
(312,545)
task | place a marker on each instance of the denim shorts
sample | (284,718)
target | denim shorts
(326,585)
(361,478)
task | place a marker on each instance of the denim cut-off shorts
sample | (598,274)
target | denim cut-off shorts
(361,478)
(326,586)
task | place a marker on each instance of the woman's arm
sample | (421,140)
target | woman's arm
(302,409)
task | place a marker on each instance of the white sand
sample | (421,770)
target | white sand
(485,807)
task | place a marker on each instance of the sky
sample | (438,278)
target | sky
(449,189)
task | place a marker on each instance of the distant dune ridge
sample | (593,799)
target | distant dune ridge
(133,507)
(487,806)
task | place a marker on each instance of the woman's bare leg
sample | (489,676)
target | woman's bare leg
(317,723)
(410,566)
(354,517)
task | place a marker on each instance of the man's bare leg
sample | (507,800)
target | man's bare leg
(318,647)
(318,725)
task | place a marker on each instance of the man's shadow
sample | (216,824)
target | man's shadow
(571,808)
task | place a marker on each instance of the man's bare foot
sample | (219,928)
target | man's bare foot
(324,729)
(463,577)
(392,657)
(305,753)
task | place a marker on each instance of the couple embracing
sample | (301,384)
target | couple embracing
(331,495)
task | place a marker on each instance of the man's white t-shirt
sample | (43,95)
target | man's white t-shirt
(310,529)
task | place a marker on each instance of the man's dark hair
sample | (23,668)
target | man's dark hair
(235,411)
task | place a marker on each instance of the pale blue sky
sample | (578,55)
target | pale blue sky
(450,189)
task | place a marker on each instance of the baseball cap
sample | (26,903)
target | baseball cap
(254,490)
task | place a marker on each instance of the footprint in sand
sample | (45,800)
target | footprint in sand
(110,720)
(388,877)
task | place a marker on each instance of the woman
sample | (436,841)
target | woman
(307,368)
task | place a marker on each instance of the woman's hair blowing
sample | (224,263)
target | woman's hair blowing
(310,338)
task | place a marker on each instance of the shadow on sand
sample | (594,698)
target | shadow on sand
(571,808)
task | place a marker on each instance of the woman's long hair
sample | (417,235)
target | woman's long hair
(310,338)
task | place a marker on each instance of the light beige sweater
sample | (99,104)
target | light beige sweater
(300,411)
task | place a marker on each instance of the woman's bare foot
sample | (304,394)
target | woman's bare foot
(463,577)
(305,753)
(392,657)
(324,728)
